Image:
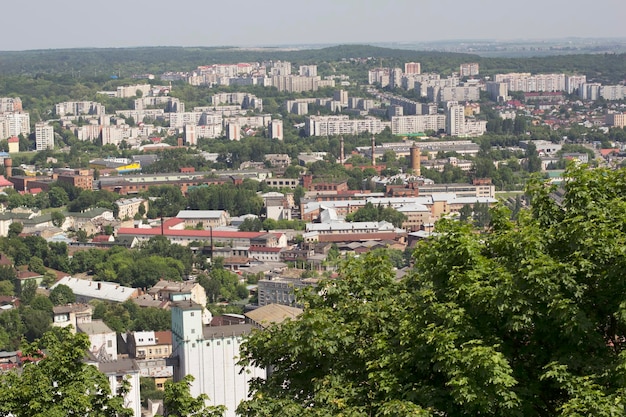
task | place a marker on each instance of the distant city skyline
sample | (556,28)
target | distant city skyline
(116,24)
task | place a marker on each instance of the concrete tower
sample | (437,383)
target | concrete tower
(342,155)
(415,159)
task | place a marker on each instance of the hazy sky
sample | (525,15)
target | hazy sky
(45,24)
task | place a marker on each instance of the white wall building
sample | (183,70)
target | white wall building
(210,355)
(44,136)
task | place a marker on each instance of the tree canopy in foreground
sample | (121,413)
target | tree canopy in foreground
(58,383)
(523,319)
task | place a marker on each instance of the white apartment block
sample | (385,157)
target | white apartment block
(211,131)
(10,104)
(457,125)
(233,131)
(498,91)
(276,129)
(77,108)
(210,354)
(455,119)
(528,83)
(179,120)
(342,125)
(114,135)
(469,69)
(131,90)
(612,92)
(169,104)
(244,100)
(130,206)
(308,70)
(280,68)
(378,76)
(573,82)
(401,125)
(44,136)
(262,120)
(458,93)
(589,91)
(89,132)
(14,124)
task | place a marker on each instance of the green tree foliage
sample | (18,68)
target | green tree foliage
(525,318)
(236,200)
(178,401)
(371,213)
(61,295)
(57,218)
(58,382)
(251,225)
(15,229)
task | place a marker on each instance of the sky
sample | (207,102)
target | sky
(45,24)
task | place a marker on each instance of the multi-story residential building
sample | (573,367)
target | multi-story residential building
(44,136)
(379,76)
(208,218)
(455,119)
(124,373)
(245,100)
(612,92)
(79,178)
(170,104)
(281,290)
(616,119)
(395,77)
(102,340)
(149,344)
(280,68)
(71,315)
(589,91)
(275,129)
(458,93)
(308,70)
(14,124)
(573,83)
(417,124)
(342,125)
(498,91)
(10,104)
(412,68)
(469,69)
(527,83)
(77,108)
(129,207)
(210,354)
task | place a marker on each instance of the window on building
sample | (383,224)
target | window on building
(109,343)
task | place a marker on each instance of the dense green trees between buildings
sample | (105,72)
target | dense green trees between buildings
(57,383)
(523,318)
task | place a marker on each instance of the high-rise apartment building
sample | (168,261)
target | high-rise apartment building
(412,68)
(308,70)
(469,69)
(44,136)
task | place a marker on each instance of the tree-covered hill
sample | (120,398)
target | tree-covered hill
(95,63)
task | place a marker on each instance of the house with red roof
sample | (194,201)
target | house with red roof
(174,230)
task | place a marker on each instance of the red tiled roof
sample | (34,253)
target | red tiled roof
(201,234)
(101,238)
(14,139)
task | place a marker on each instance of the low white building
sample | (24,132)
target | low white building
(102,340)
(119,371)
